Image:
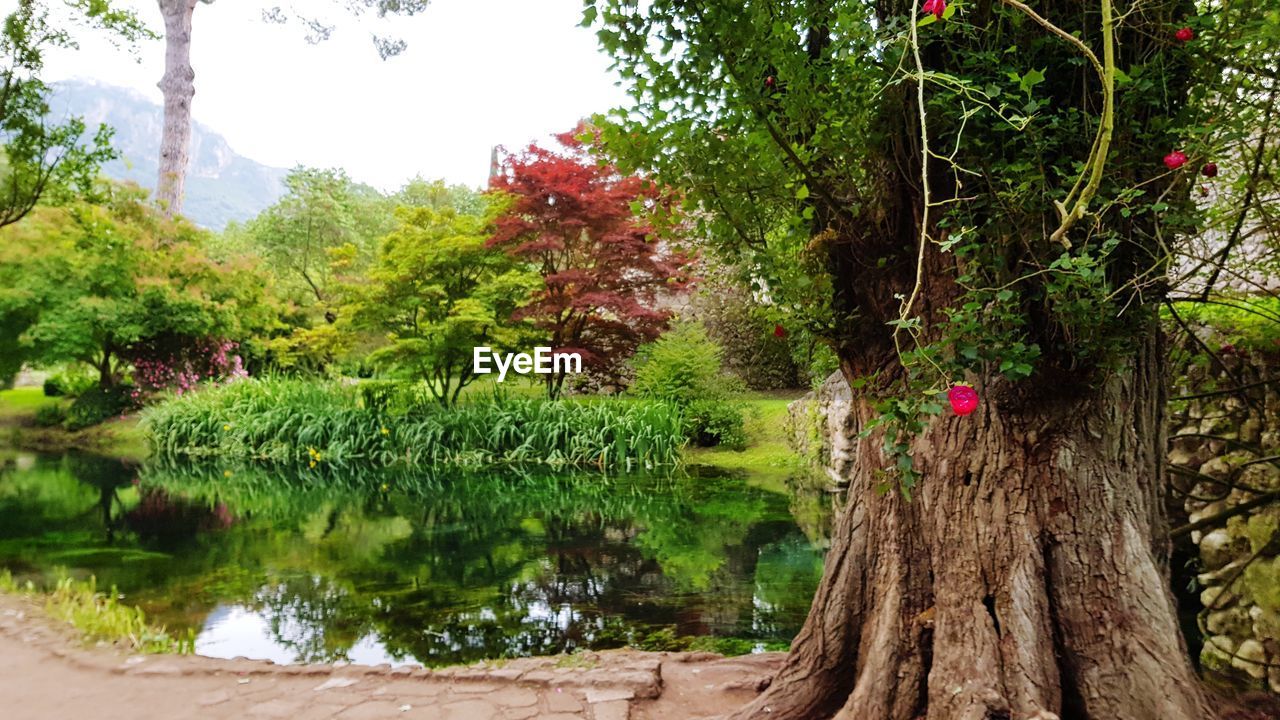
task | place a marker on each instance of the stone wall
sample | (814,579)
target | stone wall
(820,431)
(1225,452)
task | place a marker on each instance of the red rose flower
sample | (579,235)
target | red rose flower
(964,399)
(1175,160)
(1209,170)
(779,331)
(937,7)
(1185,35)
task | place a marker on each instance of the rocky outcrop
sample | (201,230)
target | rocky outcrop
(821,430)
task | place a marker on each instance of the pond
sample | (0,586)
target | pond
(419,570)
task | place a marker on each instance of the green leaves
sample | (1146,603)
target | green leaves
(436,292)
(1028,80)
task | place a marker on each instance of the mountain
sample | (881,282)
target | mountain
(221,185)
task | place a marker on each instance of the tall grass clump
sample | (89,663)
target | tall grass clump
(337,425)
(100,617)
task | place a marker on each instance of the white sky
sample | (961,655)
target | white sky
(477,73)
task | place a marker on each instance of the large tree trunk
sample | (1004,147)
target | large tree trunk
(178,86)
(1026,579)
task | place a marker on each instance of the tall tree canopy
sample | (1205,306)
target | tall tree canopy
(323,214)
(99,282)
(436,293)
(590,232)
(979,197)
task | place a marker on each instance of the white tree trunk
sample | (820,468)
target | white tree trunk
(178,86)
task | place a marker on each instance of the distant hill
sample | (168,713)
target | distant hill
(221,185)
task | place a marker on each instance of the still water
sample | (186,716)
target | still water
(418,570)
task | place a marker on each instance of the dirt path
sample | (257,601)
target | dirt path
(44,674)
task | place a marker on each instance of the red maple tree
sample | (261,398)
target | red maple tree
(590,232)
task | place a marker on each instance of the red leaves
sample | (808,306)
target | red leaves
(1185,34)
(1210,170)
(937,7)
(1175,160)
(964,399)
(779,331)
(587,229)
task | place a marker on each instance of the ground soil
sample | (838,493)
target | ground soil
(47,673)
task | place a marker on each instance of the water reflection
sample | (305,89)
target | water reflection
(387,568)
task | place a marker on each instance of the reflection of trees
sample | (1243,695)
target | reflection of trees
(312,616)
(486,565)
(59,498)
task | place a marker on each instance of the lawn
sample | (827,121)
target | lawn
(18,407)
(20,404)
(767,455)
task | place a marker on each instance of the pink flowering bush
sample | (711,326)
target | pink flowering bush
(181,367)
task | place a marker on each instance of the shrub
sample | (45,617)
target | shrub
(50,415)
(99,404)
(742,326)
(715,422)
(70,381)
(683,367)
(329,424)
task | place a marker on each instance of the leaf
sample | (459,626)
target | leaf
(588,16)
(802,192)
(1029,80)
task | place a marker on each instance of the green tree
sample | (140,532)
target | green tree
(87,282)
(985,195)
(40,154)
(435,194)
(436,293)
(324,215)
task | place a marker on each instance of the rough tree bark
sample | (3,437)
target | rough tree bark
(1026,579)
(178,87)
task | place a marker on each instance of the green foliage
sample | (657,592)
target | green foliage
(940,200)
(1244,321)
(69,381)
(321,426)
(52,415)
(99,404)
(744,328)
(43,155)
(436,293)
(100,617)
(87,282)
(683,367)
(324,216)
(715,422)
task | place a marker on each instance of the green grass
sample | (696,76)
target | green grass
(115,437)
(20,404)
(319,425)
(100,617)
(767,454)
